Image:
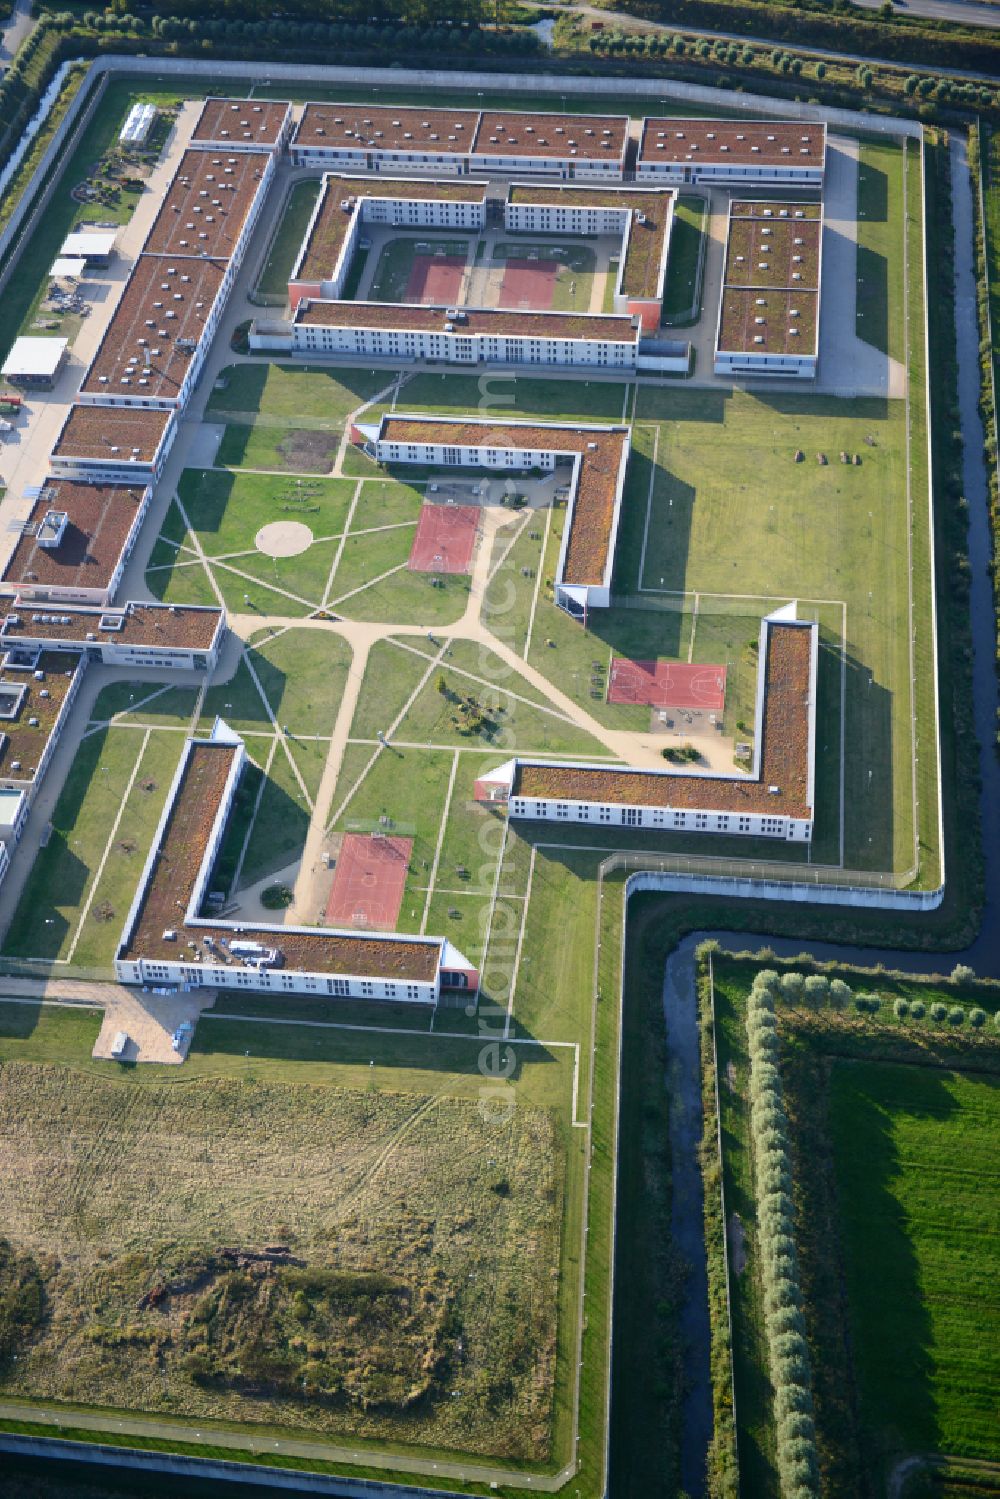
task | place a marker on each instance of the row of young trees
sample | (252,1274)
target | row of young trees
(784,1322)
(818,992)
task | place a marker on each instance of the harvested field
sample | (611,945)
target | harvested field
(417,1300)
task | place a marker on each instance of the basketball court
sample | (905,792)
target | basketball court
(435,278)
(445,539)
(667,684)
(529,284)
(368,882)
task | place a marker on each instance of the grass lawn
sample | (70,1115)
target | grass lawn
(62,879)
(227,510)
(725,473)
(280,825)
(918,1187)
(879,311)
(296,213)
(511,395)
(292,450)
(682,293)
(292,395)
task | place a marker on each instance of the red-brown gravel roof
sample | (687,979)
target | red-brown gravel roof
(241,121)
(93,431)
(100,520)
(736,142)
(206,204)
(784,754)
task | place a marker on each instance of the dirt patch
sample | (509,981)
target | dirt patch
(737,1244)
(309,452)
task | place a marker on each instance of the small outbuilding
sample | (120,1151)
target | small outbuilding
(91,244)
(35,363)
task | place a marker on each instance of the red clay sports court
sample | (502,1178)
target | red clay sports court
(445,539)
(667,684)
(435,278)
(368,883)
(529,284)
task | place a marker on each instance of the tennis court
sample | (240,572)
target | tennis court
(667,684)
(368,882)
(435,278)
(445,539)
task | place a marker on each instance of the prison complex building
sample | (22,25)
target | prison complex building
(596,458)
(346,204)
(74,543)
(113,445)
(642,219)
(776,800)
(167,940)
(752,153)
(173,636)
(37,691)
(464,335)
(243,124)
(459,142)
(769,304)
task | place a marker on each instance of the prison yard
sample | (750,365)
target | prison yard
(382,1221)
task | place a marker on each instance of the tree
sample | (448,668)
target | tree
(901,1008)
(977,1018)
(791,987)
(910,86)
(956,1015)
(840,994)
(917,1009)
(963,974)
(821,70)
(939,1012)
(817,986)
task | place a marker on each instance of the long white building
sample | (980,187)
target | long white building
(167,940)
(775,800)
(465,335)
(732,153)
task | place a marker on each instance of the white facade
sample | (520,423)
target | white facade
(456,345)
(366,206)
(117,467)
(736,362)
(568,168)
(708,817)
(453,971)
(727,174)
(401,163)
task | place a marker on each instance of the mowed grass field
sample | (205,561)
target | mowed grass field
(356,562)
(421,1307)
(918,1188)
(287,242)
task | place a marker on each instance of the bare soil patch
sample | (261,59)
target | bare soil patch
(309,452)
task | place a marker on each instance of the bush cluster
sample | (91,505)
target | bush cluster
(784,1323)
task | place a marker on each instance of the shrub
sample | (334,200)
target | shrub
(977,1017)
(901,1008)
(918,1009)
(956,1015)
(939,1012)
(817,987)
(840,994)
(963,974)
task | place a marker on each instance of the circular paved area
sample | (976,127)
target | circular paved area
(283,538)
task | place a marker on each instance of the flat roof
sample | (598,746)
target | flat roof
(387,127)
(99,521)
(505,132)
(207,203)
(644,256)
(242,121)
(330,221)
(470,320)
(23,741)
(783,762)
(756,320)
(600,450)
(38,357)
(89,241)
(95,432)
(774,253)
(162,315)
(773,208)
(734,142)
(170,887)
(179,626)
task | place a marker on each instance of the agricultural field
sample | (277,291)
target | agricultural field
(894,1119)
